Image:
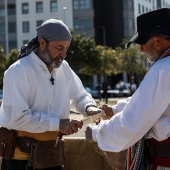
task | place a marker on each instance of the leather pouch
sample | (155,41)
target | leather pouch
(46,155)
(24,143)
(7,143)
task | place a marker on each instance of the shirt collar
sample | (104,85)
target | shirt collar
(34,57)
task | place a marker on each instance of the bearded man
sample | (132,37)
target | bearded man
(145,116)
(39,91)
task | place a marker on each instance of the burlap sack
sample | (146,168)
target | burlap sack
(80,155)
(115,160)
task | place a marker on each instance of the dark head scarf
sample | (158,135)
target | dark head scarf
(50,30)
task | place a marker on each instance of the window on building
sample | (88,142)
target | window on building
(143,9)
(125,6)
(2,11)
(81,4)
(12,27)
(39,22)
(147,9)
(75,4)
(81,24)
(2,28)
(130,3)
(25,27)
(139,11)
(53,6)
(131,24)
(39,7)
(163,3)
(12,44)
(25,8)
(11,9)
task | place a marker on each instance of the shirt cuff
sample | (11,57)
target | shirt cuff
(94,133)
(88,104)
(54,124)
(114,109)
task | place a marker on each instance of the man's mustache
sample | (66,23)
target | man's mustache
(58,58)
(55,59)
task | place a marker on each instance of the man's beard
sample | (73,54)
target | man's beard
(152,57)
(150,60)
(49,61)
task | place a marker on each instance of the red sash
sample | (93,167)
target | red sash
(163,160)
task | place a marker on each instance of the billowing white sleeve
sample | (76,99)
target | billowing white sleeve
(139,115)
(120,105)
(78,95)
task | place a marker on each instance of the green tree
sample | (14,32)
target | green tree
(2,65)
(131,60)
(108,60)
(82,55)
(86,58)
(11,57)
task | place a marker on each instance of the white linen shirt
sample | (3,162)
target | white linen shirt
(146,112)
(31,103)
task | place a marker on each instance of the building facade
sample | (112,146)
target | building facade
(109,22)
(31,14)
(83,17)
(115,21)
(8,30)
(19,19)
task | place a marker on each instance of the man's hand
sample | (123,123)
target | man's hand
(93,110)
(88,134)
(108,111)
(69,126)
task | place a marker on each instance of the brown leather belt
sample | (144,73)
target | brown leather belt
(45,136)
(25,139)
(24,144)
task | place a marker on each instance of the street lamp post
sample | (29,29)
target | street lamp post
(105,76)
(64,11)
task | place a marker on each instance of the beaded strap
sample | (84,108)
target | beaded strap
(135,156)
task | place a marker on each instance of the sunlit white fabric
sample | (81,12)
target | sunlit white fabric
(30,101)
(146,112)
